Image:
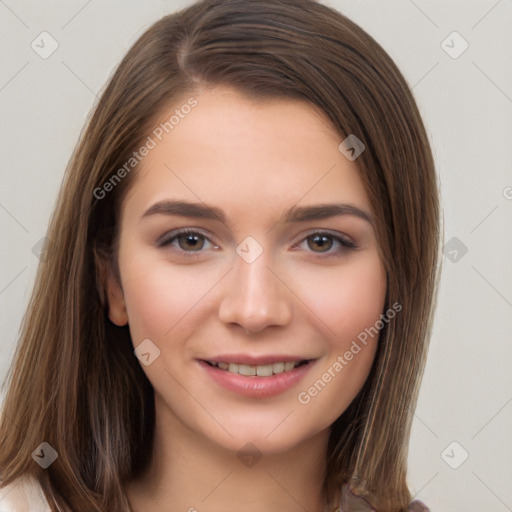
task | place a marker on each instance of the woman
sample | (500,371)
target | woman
(237,300)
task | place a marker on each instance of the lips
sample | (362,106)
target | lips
(256,377)
(256,360)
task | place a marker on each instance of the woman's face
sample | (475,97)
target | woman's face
(280,265)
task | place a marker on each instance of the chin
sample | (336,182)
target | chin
(269,436)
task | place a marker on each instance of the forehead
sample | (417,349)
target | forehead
(240,154)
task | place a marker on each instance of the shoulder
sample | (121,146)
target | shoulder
(23,495)
(418,506)
(350,501)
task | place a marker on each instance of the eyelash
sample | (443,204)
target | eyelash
(345,244)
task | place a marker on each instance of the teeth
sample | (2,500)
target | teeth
(278,368)
(264,370)
(245,369)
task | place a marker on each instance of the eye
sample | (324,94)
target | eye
(325,241)
(188,240)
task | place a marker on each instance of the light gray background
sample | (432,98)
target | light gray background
(467,106)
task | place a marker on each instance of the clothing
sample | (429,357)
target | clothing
(25,495)
(350,502)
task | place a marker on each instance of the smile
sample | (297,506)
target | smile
(263,370)
(257,380)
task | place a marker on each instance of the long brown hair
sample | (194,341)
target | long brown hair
(75,382)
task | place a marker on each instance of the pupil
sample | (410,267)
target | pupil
(322,241)
(191,241)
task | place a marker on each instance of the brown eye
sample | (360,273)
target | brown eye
(190,241)
(322,242)
(187,241)
(326,245)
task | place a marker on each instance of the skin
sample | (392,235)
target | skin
(254,160)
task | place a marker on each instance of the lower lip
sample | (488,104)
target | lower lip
(257,387)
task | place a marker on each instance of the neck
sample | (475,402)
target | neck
(188,472)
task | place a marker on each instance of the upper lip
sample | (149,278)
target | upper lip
(255,360)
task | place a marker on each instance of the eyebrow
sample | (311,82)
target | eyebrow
(293,215)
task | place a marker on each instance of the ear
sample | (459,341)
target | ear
(109,289)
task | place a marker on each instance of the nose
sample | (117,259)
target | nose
(255,296)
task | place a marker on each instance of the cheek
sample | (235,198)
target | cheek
(346,298)
(348,303)
(162,300)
